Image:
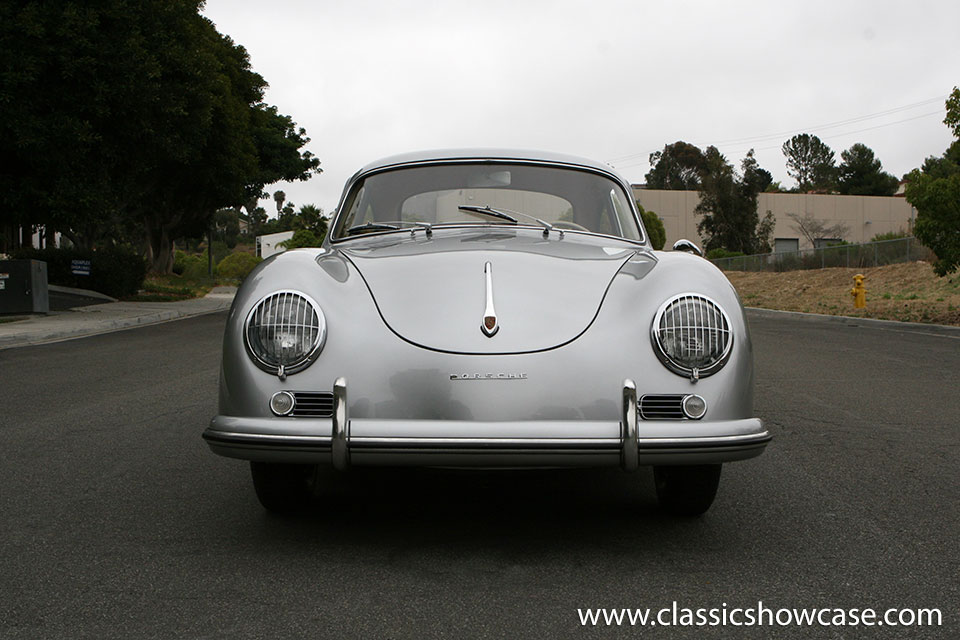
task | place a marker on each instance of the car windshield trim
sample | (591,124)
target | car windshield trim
(489,223)
(365,174)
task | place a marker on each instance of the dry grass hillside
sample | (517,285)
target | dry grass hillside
(909,292)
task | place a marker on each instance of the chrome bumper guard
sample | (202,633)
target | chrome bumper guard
(345,442)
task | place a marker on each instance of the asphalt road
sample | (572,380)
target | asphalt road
(116,521)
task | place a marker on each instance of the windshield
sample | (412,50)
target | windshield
(463,194)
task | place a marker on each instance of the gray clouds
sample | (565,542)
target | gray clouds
(611,81)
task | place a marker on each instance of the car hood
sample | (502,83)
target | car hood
(432,291)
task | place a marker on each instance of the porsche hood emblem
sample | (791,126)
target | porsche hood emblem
(489,326)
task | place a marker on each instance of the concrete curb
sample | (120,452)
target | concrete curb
(107,318)
(888,325)
(8,342)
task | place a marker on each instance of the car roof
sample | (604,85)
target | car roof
(480,153)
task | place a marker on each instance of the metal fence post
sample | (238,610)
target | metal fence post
(908,249)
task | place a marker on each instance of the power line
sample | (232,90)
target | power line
(832,125)
(777,146)
(850,133)
(829,125)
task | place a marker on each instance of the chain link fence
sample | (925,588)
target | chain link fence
(869,254)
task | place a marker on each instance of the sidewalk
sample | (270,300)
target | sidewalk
(111,316)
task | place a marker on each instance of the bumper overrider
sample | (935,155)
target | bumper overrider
(343,442)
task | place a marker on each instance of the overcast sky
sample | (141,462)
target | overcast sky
(611,81)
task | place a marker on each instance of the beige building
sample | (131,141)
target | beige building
(864,216)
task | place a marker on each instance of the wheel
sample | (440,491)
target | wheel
(283,488)
(687,490)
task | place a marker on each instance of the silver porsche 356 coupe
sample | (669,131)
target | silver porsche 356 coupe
(487,309)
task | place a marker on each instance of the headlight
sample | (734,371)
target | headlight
(691,335)
(284,332)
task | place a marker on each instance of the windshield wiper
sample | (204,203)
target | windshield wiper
(391,225)
(371,226)
(503,215)
(487,211)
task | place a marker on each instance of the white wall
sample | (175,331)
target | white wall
(267,245)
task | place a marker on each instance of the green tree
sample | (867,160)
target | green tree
(945,165)
(938,217)
(254,212)
(677,167)
(755,179)
(82,94)
(311,217)
(861,174)
(953,112)
(935,192)
(287,216)
(810,162)
(728,205)
(301,238)
(245,145)
(257,218)
(252,202)
(123,115)
(654,226)
(226,225)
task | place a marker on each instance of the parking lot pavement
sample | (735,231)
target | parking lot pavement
(94,319)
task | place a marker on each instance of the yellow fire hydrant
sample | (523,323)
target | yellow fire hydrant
(858,292)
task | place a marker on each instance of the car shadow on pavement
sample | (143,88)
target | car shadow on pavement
(501,511)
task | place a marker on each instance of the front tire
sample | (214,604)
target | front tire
(687,490)
(283,488)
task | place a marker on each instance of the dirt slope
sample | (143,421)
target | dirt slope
(908,292)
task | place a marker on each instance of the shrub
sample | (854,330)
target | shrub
(720,252)
(116,271)
(654,226)
(301,238)
(890,235)
(196,267)
(237,265)
(220,251)
(179,262)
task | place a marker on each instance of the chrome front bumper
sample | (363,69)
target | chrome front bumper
(342,441)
